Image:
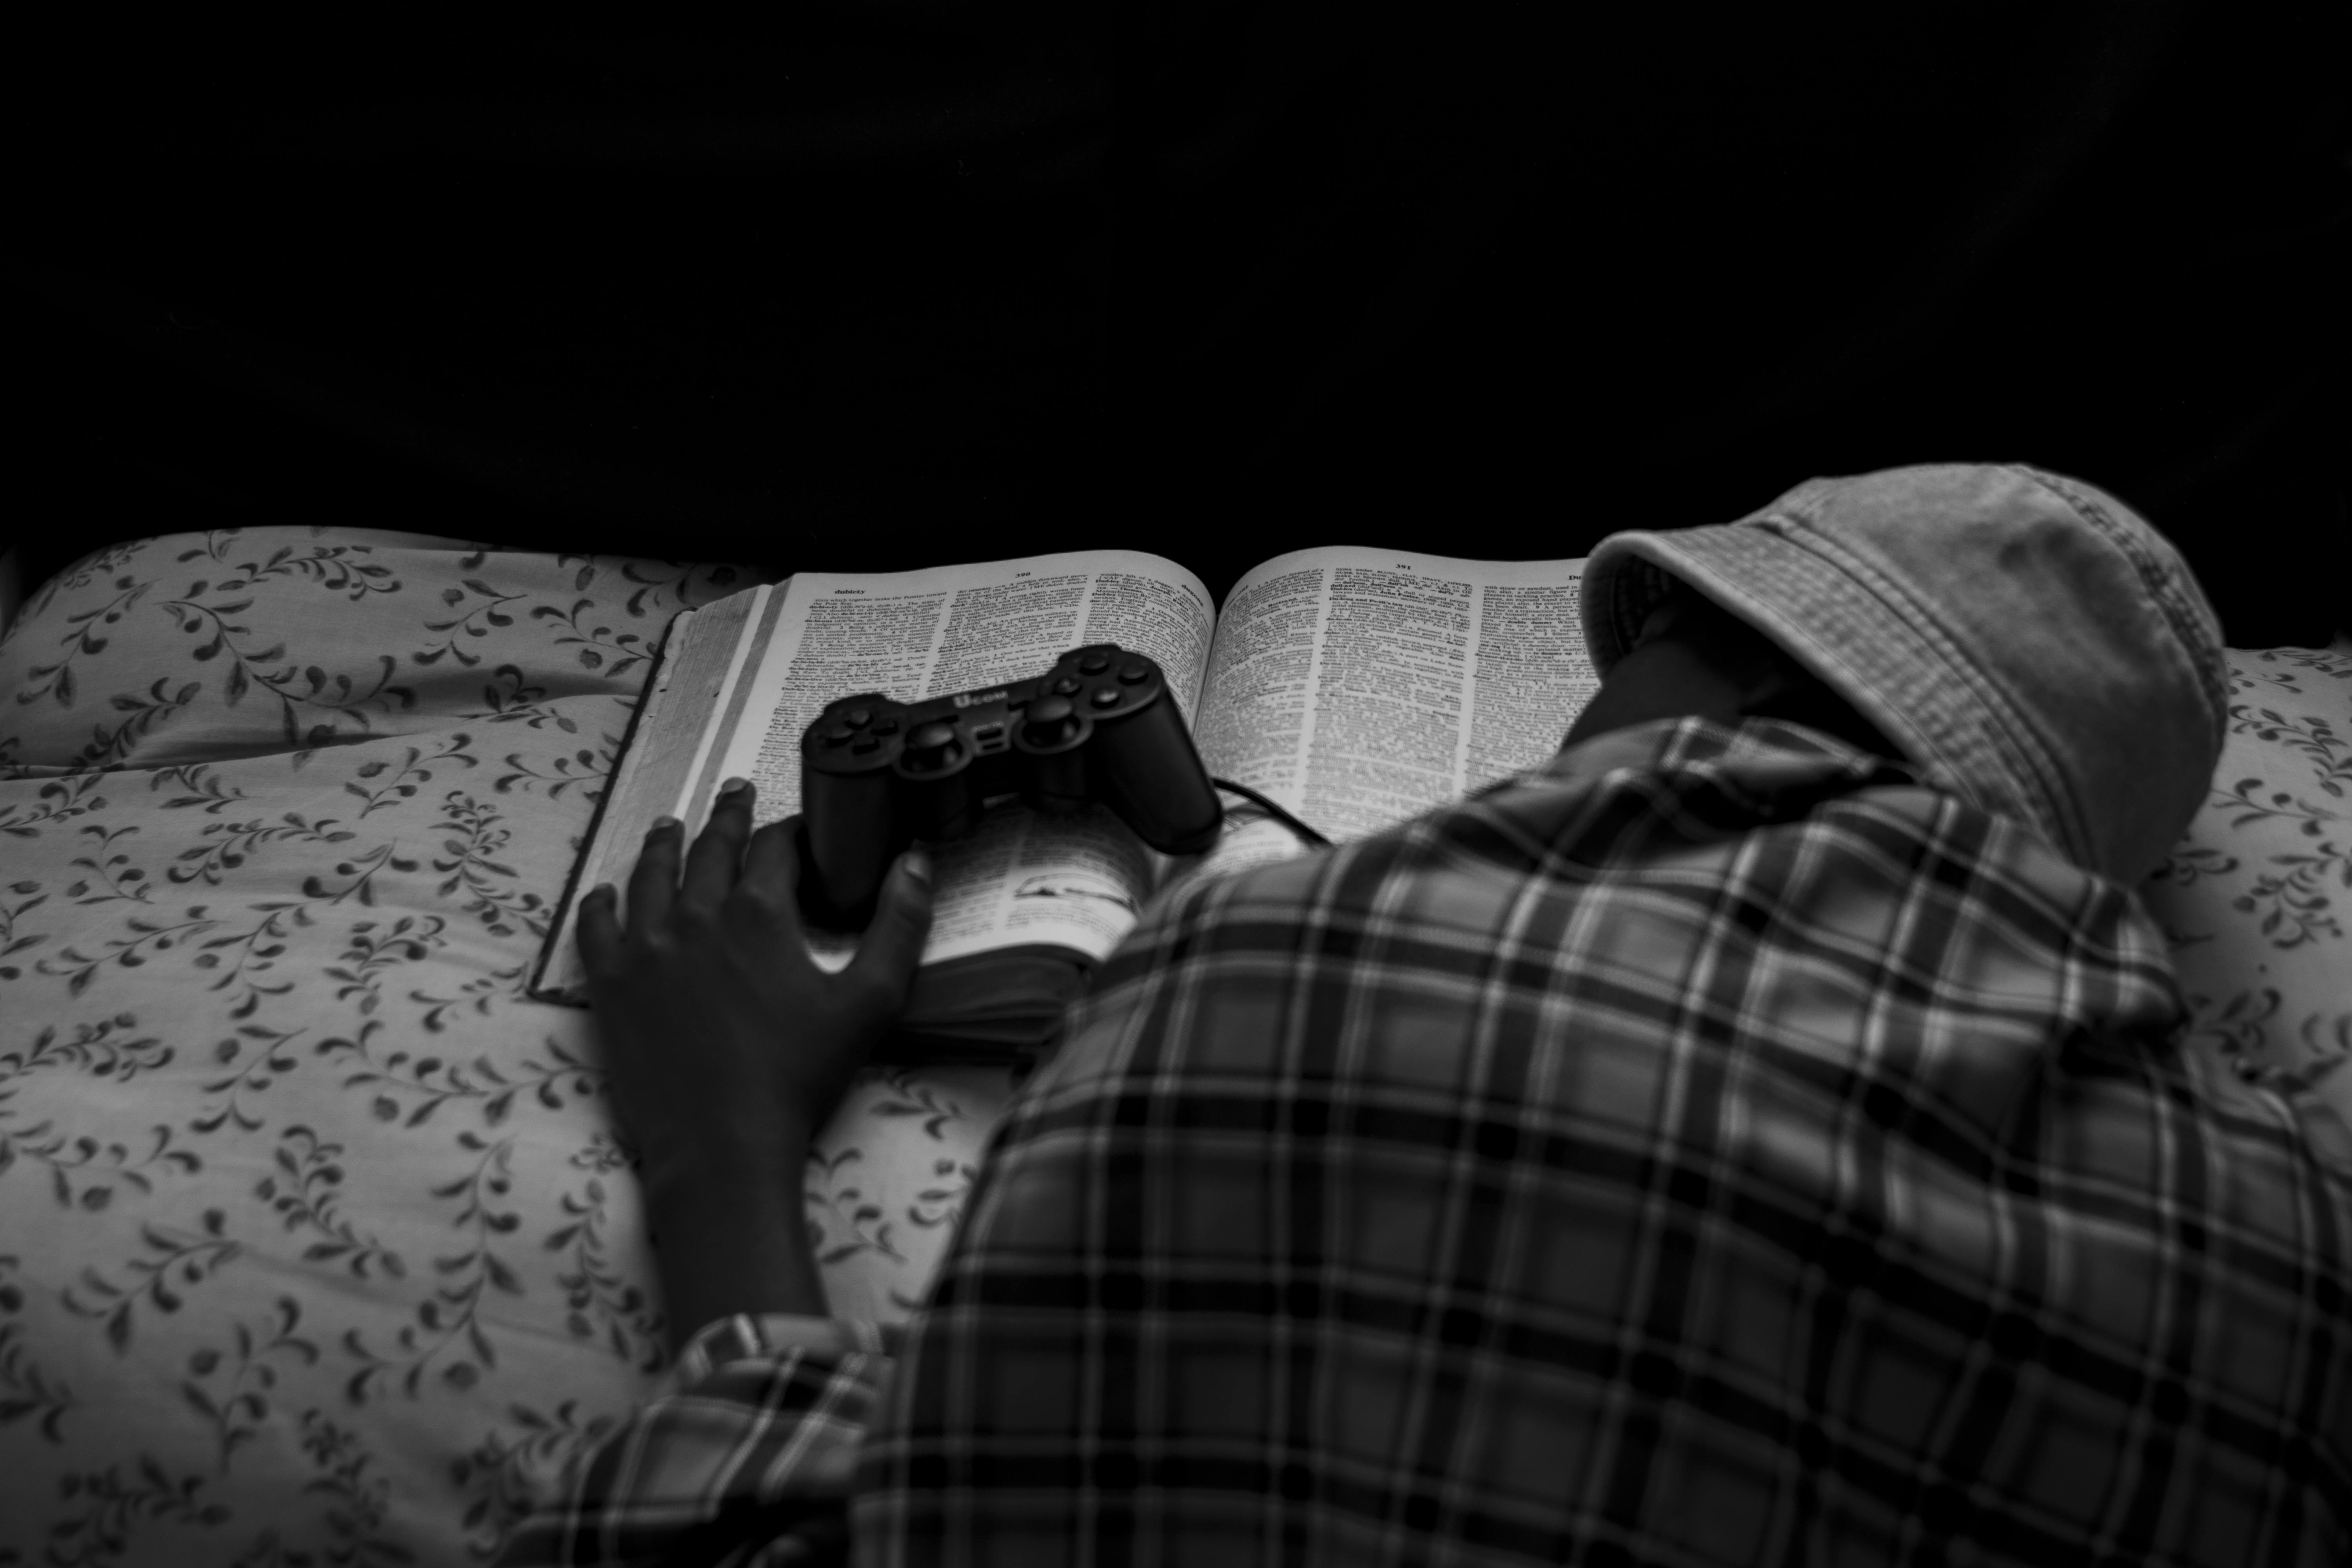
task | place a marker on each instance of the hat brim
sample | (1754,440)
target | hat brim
(1872,643)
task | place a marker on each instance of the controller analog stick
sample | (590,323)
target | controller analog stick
(1051,722)
(930,748)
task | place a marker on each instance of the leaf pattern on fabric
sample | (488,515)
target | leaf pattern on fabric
(319,1246)
(28,1394)
(2252,899)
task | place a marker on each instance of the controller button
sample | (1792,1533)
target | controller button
(930,748)
(838,734)
(1052,721)
(1066,687)
(1108,697)
(1094,664)
(886,726)
(860,717)
(1134,674)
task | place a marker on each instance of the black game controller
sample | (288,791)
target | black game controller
(1101,725)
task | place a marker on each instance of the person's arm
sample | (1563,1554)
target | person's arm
(726,1049)
(755,1450)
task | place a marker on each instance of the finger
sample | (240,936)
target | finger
(713,864)
(598,931)
(772,867)
(893,944)
(653,886)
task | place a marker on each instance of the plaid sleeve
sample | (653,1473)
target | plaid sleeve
(747,1462)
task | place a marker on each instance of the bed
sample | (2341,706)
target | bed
(315,1243)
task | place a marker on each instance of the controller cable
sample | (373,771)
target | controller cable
(1284,817)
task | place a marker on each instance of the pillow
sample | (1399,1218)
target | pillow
(315,1245)
(2253,900)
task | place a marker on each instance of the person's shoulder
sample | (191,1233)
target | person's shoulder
(1771,809)
(1654,787)
(1813,817)
(1609,804)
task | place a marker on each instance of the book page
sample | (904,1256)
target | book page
(1021,877)
(1362,687)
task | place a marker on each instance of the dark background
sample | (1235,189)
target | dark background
(893,284)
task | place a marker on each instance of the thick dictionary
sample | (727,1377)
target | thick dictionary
(1357,688)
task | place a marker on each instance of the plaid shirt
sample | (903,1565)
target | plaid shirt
(1712,1147)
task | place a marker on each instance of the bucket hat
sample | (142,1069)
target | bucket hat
(2030,643)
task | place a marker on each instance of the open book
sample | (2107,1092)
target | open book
(1356,687)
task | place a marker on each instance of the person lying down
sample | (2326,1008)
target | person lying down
(1762,1133)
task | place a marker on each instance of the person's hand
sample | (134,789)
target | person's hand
(726,1046)
(726,1049)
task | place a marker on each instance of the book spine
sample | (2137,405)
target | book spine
(671,725)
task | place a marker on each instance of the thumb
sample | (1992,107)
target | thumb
(893,943)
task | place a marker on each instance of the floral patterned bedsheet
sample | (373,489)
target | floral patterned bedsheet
(315,1247)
